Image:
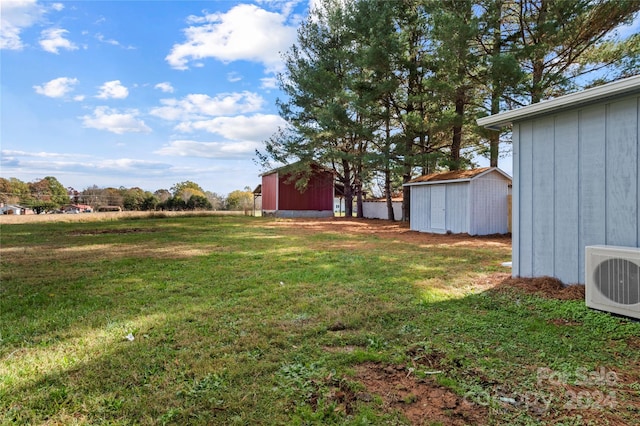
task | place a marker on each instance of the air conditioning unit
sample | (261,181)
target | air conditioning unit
(612,279)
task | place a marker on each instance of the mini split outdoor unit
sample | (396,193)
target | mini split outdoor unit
(612,279)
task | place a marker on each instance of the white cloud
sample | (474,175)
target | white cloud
(269,83)
(165,86)
(52,39)
(100,37)
(113,90)
(246,32)
(256,127)
(111,120)
(128,164)
(15,16)
(57,87)
(198,106)
(41,154)
(220,150)
(233,77)
(57,6)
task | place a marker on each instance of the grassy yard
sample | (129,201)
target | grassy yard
(243,320)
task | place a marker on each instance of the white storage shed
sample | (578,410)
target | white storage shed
(463,201)
(576,181)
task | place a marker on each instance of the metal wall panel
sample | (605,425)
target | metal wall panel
(270,192)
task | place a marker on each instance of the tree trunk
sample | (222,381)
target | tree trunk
(387,171)
(348,190)
(456,143)
(496,89)
(494,137)
(538,60)
(360,213)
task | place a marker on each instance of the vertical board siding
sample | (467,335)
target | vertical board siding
(543,201)
(457,210)
(566,197)
(438,211)
(269,191)
(515,203)
(576,183)
(420,208)
(622,173)
(477,206)
(526,199)
(489,210)
(592,212)
(317,196)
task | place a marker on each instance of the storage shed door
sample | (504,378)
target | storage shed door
(438,207)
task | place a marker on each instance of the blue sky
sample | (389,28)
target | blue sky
(145,93)
(141,93)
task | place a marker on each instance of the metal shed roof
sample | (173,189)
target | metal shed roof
(622,87)
(454,176)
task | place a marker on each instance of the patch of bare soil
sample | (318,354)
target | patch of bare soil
(421,401)
(113,231)
(385,229)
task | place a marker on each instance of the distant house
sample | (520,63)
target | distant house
(464,201)
(14,209)
(576,162)
(77,208)
(282,198)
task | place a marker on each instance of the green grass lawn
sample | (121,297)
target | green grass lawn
(243,320)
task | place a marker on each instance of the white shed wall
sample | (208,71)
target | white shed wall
(488,207)
(576,183)
(456,208)
(457,211)
(476,207)
(420,208)
(378,210)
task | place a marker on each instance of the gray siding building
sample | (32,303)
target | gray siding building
(576,181)
(465,201)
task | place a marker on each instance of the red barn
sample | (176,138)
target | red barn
(281,197)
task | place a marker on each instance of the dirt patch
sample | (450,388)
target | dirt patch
(385,229)
(114,231)
(421,401)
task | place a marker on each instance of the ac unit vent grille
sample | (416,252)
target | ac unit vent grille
(618,280)
(612,279)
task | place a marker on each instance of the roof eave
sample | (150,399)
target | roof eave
(614,89)
(468,179)
(437,182)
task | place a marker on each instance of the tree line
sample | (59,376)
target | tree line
(49,195)
(381,91)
